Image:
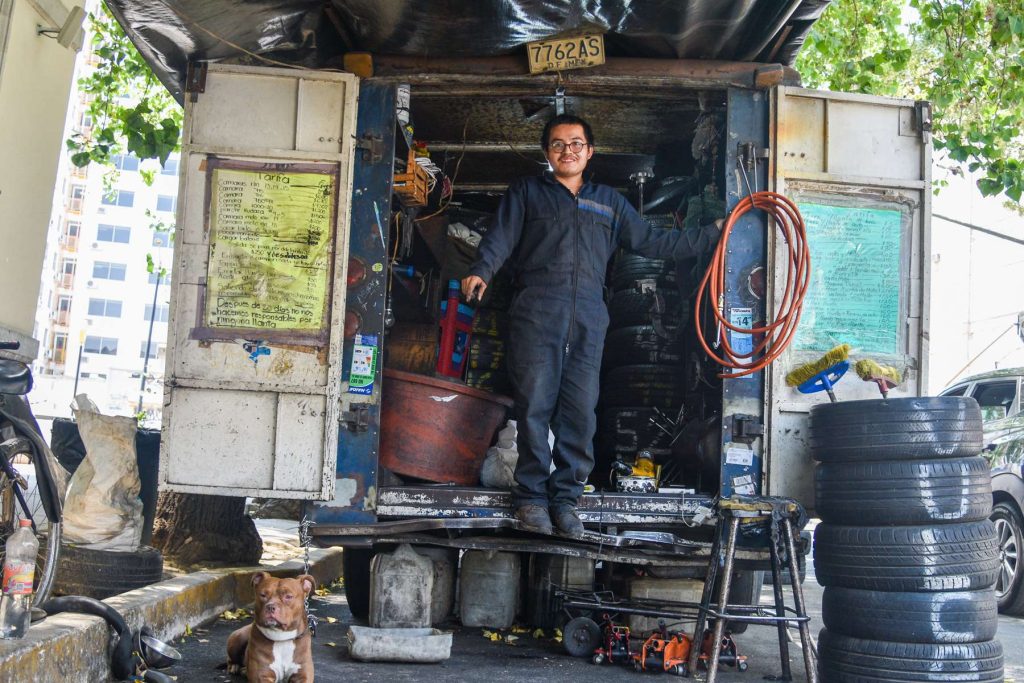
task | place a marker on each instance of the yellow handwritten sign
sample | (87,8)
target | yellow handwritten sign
(270,249)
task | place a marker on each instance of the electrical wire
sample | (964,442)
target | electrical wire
(776,335)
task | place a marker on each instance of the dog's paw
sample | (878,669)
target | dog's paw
(234,669)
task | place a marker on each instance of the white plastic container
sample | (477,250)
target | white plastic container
(419,645)
(488,588)
(442,593)
(400,588)
(650,588)
(19,572)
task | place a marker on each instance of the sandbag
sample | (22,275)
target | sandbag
(103,510)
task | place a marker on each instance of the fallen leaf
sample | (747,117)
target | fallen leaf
(511,638)
(330,620)
(188,630)
(331,644)
(520,629)
(204,640)
(539,633)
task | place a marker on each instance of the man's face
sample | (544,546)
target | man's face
(564,161)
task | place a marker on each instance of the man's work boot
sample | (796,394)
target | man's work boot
(535,518)
(568,521)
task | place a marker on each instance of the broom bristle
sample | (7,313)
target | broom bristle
(868,370)
(808,370)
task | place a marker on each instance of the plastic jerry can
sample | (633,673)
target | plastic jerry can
(442,594)
(400,589)
(489,588)
(549,573)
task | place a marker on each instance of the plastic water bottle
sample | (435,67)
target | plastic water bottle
(19,572)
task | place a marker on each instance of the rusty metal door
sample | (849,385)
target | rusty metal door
(251,404)
(859,169)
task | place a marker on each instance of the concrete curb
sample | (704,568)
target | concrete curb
(75,647)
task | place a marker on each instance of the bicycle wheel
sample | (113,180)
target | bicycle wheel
(22,469)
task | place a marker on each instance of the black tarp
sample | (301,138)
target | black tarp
(170,33)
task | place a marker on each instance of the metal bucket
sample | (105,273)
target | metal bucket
(437,430)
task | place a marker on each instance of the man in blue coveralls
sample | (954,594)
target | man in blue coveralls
(563,231)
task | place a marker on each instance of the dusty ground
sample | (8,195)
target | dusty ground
(527,660)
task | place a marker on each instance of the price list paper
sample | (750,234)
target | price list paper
(854,295)
(270,250)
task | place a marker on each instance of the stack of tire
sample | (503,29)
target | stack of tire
(487,365)
(642,358)
(905,549)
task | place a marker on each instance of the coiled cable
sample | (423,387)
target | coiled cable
(774,336)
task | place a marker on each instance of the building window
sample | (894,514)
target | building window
(126,162)
(166,279)
(170,166)
(60,347)
(165,202)
(109,271)
(161,238)
(106,346)
(161,313)
(67,267)
(155,350)
(63,309)
(120,234)
(72,228)
(119,198)
(109,308)
(76,198)
(86,121)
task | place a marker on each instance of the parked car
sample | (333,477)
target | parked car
(1001,396)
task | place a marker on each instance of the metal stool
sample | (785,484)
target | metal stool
(777,514)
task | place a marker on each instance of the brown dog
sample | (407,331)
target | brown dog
(276,647)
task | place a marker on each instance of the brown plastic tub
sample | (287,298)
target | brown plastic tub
(437,430)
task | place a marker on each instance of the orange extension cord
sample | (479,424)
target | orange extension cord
(776,336)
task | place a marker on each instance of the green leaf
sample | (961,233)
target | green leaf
(81,159)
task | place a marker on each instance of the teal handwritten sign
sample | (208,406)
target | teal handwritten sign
(854,295)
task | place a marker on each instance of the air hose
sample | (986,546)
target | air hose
(771,339)
(133,653)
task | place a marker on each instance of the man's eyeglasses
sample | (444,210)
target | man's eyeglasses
(574,146)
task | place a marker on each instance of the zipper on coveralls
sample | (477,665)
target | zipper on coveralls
(575,270)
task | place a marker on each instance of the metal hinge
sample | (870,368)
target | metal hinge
(372,147)
(357,417)
(746,428)
(923,116)
(748,153)
(195,79)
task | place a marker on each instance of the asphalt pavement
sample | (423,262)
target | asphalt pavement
(526,659)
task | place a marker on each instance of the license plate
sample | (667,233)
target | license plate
(566,53)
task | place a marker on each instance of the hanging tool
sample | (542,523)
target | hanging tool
(777,335)
(821,374)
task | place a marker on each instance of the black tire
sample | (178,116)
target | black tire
(102,573)
(631,268)
(944,617)
(355,568)
(631,307)
(641,344)
(625,431)
(581,636)
(947,557)
(896,429)
(1010,539)
(842,659)
(903,492)
(646,386)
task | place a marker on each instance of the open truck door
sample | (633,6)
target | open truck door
(859,168)
(252,401)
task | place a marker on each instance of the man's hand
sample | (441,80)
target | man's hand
(473,286)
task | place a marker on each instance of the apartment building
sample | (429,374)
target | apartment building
(98,296)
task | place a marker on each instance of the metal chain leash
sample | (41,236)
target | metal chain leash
(305,539)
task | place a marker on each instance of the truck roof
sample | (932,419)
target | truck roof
(171,33)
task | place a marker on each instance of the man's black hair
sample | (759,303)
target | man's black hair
(564,119)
